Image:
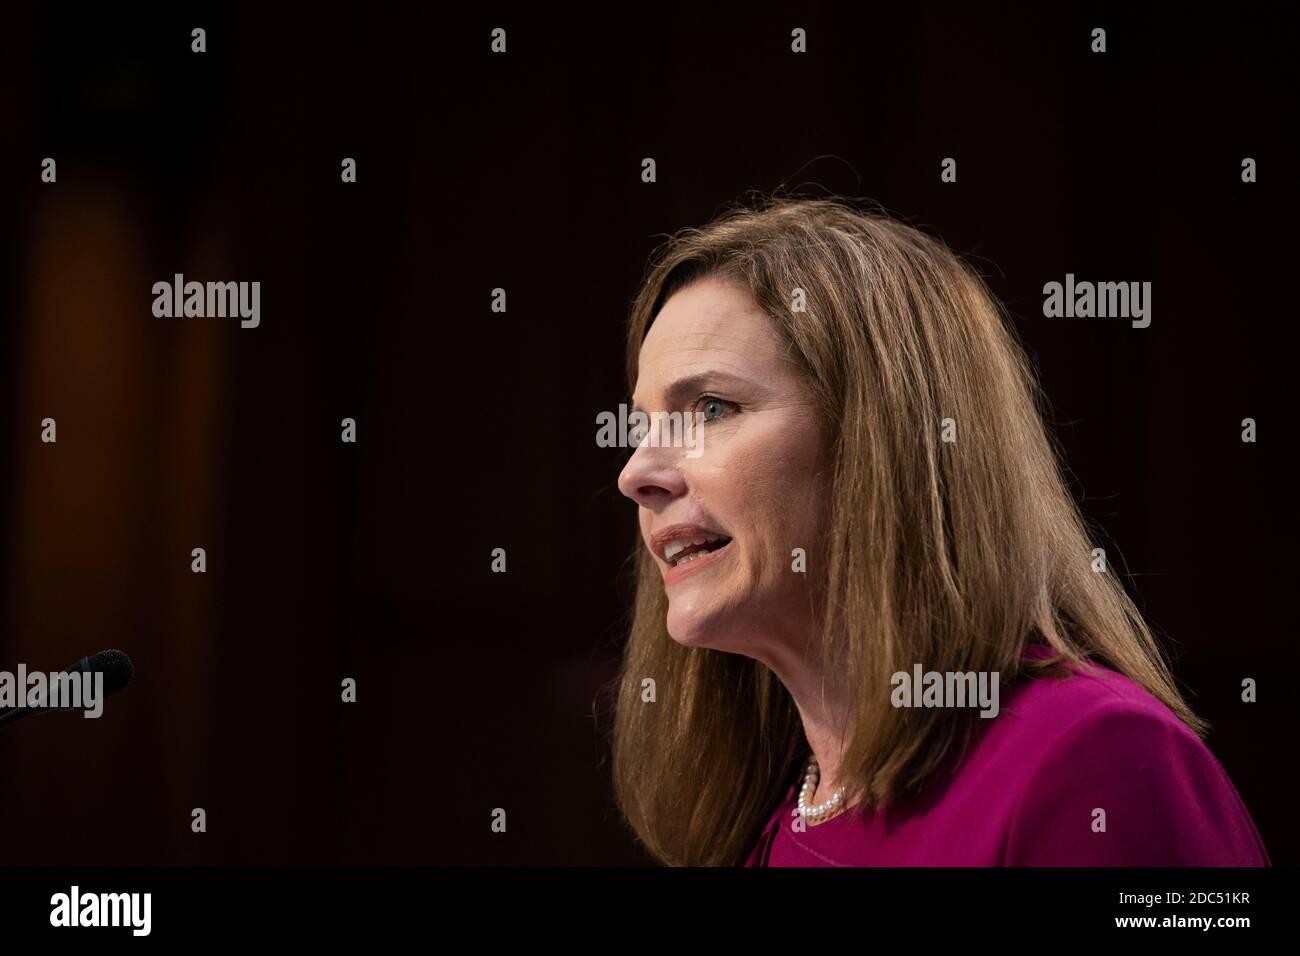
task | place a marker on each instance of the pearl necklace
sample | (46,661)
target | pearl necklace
(815,814)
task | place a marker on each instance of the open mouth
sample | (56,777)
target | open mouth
(682,551)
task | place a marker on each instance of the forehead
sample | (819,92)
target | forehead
(712,323)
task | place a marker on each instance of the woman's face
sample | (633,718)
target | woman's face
(754,489)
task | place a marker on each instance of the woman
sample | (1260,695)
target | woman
(875,501)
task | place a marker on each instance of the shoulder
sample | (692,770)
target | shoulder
(1056,703)
(1108,775)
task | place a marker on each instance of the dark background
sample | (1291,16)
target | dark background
(476,430)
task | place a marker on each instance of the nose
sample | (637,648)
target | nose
(653,477)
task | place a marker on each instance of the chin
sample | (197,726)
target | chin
(691,628)
(688,632)
(691,625)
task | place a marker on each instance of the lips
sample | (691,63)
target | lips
(687,548)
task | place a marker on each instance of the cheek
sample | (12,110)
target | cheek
(774,498)
(774,481)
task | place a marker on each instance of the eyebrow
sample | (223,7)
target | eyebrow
(692,385)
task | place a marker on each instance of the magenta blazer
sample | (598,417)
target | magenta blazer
(1026,792)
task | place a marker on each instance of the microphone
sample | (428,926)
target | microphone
(116,667)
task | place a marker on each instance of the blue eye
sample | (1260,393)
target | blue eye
(713,408)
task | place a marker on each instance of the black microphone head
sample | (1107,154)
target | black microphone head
(117,667)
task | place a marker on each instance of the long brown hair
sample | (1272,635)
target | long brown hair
(948,553)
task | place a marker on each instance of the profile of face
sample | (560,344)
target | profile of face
(723,520)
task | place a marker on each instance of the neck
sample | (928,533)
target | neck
(827,746)
(823,709)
